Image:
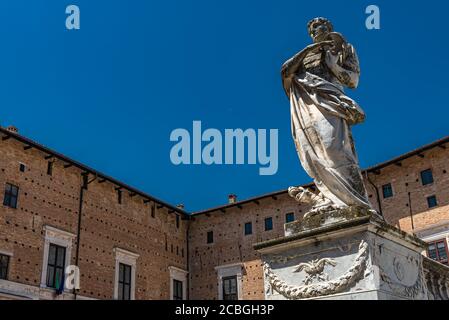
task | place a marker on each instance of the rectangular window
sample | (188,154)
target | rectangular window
(432,201)
(230,288)
(21,167)
(248,228)
(4,264)
(177,221)
(438,251)
(289,217)
(55,266)
(50,168)
(153,210)
(426,177)
(11,195)
(119,196)
(177,290)
(210,237)
(387,191)
(268,224)
(124,282)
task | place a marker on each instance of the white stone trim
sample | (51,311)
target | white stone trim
(129,258)
(435,232)
(180,275)
(441,235)
(6,253)
(19,291)
(58,237)
(230,270)
(436,237)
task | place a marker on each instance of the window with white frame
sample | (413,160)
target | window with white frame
(178,283)
(56,266)
(229,282)
(57,254)
(230,291)
(178,290)
(125,274)
(124,282)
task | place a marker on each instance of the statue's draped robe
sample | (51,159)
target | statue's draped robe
(321,117)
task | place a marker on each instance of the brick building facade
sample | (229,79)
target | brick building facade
(129,245)
(118,224)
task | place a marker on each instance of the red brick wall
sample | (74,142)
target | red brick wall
(228,226)
(42,200)
(232,246)
(54,200)
(407,178)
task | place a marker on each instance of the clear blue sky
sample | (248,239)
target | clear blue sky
(109,94)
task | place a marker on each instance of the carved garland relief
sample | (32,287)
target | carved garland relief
(315,271)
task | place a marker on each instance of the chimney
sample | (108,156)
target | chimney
(232,198)
(180,206)
(12,129)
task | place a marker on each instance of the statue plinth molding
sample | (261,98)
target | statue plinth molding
(359,258)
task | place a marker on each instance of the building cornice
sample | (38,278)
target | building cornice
(29,144)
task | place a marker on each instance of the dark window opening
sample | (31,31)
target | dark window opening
(289,217)
(124,282)
(153,211)
(268,224)
(119,196)
(230,288)
(4,264)
(177,290)
(438,251)
(432,202)
(387,191)
(177,221)
(248,228)
(11,195)
(56,266)
(426,177)
(50,168)
(22,167)
(210,237)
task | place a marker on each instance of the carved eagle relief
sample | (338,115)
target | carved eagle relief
(315,269)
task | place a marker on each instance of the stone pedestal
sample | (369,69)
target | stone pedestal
(345,255)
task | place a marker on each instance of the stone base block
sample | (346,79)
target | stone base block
(351,259)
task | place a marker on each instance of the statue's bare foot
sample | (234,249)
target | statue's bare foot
(318,202)
(302,195)
(321,204)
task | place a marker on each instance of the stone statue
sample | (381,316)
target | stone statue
(322,116)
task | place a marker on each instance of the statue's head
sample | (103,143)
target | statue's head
(319,28)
